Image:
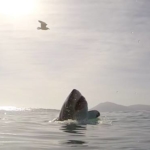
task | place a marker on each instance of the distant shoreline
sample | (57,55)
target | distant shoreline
(109,106)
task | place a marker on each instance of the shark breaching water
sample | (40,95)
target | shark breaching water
(75,107)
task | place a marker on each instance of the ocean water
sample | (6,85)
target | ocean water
(32,129)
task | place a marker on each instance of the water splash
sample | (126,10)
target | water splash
(105,121)
(94,121)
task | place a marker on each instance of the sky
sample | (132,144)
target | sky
(100,47)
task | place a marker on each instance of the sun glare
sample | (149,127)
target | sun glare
(16,7)
(11,108)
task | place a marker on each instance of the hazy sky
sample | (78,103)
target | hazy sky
(100,47)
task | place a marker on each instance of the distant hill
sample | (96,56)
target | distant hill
(109,107)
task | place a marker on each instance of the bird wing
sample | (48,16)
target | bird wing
(43,24)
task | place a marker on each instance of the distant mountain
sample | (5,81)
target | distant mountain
(109,107)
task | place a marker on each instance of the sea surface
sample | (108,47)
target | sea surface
(33,129)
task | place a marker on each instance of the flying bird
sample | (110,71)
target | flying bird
(43,26)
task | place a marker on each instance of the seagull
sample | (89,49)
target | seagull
(43,26)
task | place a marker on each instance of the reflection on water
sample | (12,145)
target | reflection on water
(73,128)
(75,131)
(75,143)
